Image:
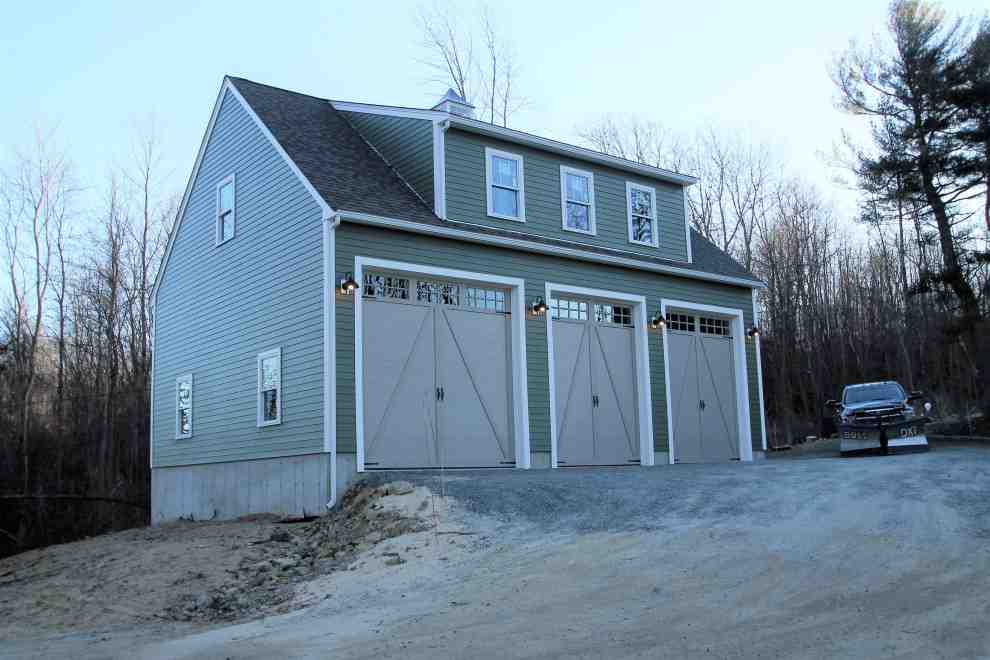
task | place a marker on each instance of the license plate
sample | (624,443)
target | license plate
(906,431)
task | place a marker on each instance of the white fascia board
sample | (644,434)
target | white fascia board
(228,86)
(541,248)
(389,110)
(511,135)
(519,137)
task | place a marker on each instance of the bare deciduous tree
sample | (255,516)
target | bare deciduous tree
(488,81)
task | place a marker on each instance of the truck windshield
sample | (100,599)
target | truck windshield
(877,392)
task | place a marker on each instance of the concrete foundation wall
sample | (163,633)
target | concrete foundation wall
(291,486)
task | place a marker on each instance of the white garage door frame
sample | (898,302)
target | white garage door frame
(520,397)
(739,357)
(644,405)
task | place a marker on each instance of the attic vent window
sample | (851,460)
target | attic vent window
(226,215)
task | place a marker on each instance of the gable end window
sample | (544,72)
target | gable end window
(270,388)
(577,200)
(504,181)
(641,207)
(184,407)
(226,213)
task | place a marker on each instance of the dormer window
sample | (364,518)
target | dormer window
(225,210)
(577,200)
(641,207)
(504,177)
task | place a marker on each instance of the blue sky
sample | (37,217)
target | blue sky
(95,70)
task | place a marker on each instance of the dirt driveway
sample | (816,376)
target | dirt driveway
(869,557)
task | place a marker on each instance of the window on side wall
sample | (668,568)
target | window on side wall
(270,387)
(504,178)
(641,207)
(226,213)
(577,200)
(184,407)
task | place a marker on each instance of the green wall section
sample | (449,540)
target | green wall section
(405,144)
(355,240)
(218,307)
(467,201)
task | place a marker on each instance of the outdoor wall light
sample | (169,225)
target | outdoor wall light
(753,332)
(658,321)
(348,285)
(538,307)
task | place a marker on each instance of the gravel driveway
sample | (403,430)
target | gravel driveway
(867,557)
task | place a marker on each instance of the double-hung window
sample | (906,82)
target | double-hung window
(184,407)
(270,387)
(226,215)
(504,179)
(641,206)
(577,200)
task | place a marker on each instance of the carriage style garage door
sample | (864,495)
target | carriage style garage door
(437,373)
(703,388)
(595,382)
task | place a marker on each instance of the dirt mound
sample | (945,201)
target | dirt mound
(196,572)
(300,551)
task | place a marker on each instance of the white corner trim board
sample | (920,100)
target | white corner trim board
(687,227)
(742,382)
(520,395)
(440,168)
(759,371)
(329,228)
(644,405)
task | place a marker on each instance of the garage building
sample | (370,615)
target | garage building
(355,287)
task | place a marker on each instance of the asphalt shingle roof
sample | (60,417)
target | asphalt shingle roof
(351,176)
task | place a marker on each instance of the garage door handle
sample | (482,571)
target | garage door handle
(701,404)
(594,400)
(438,394)
(443,394)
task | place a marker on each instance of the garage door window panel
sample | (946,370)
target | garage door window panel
(573,310)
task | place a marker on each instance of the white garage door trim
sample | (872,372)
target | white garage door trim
(520,397)
(742,382)
(642,350)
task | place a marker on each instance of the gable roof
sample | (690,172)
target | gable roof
(350,178)
(342,167)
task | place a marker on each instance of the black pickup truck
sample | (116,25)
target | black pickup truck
(879,417)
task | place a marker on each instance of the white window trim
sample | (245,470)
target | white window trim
(276,353)
(630,186)
(564,171)
(178,434)
(489,152)
(218,227)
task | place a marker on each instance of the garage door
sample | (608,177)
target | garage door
(703,388)
(595,382)
(437,365)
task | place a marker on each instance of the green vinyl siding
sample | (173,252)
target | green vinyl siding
(357,240)
(467,200)
(405,143)
(219,306)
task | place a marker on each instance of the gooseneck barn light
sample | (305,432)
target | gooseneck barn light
(538,307)
(348,285)
(658,321)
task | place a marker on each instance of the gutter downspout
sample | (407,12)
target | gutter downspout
(331,220)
